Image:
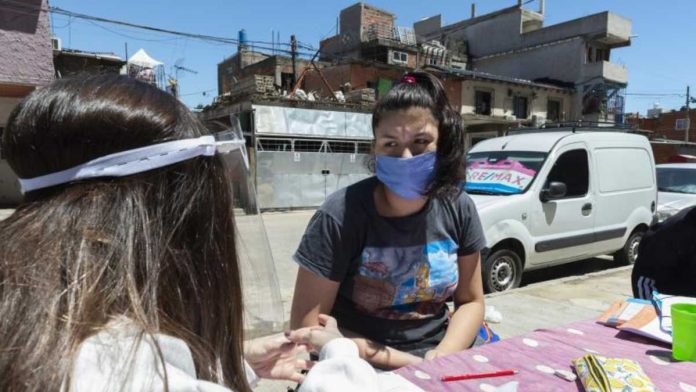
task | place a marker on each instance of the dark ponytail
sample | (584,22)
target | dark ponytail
(424,90)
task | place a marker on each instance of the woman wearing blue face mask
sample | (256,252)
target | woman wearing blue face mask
(383,255)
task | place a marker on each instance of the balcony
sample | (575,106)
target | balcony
(606,28)
(606,70)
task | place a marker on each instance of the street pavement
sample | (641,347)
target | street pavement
(550,297)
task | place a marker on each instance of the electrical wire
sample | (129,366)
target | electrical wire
(198,92)
(31,9)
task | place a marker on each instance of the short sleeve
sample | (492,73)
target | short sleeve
(320,248)
(471,238)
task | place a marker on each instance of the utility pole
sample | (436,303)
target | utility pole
(688,119)
(293,52)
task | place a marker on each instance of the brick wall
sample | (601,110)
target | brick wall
(663,152)
(271,66)
(664,125)
(358,75)
(372,15)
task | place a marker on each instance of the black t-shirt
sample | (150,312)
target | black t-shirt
(667,258)
(395,273)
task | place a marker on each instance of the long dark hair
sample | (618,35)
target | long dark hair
(157,247)
(424,90)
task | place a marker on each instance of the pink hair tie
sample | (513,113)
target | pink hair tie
(408,79)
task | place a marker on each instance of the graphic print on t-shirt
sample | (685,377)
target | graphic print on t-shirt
(406,282)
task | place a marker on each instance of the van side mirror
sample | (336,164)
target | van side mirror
(554,191)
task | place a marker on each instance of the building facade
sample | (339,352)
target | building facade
(26,63)
(515,43)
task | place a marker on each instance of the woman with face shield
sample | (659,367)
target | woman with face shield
(119,272)
(384,255)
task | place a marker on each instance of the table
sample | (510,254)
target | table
(537,354)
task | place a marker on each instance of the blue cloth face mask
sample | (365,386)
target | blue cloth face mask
(407,177)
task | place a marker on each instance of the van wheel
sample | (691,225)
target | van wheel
(502,270)
(629,253)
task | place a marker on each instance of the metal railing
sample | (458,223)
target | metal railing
(574,126)
(404,35)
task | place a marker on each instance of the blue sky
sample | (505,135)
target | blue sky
(661,60)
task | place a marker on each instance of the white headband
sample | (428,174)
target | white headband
(134,161)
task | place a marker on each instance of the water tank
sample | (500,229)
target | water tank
(242,38)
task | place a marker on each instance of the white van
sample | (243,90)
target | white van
(552,197)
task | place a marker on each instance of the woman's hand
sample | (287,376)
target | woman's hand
(317,337)
(434,353)
(275,357)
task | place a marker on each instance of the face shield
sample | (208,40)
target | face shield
(262,301)
(263,307)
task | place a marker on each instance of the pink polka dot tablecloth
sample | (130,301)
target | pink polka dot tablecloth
(540,354)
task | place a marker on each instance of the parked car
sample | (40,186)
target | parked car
(676,185)
(548,198)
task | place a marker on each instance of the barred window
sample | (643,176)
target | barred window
(341,147)
(274,145)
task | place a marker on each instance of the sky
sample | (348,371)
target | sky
(661,60)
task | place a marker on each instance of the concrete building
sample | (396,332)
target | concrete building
(246,63)
(515,43)
(489,101)
(302,147)
(489,104)
(368,33)
(26,63)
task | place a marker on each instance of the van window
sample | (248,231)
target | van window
(572,169)
(502,172)
(623,169)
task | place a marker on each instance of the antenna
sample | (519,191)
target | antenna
(174,83)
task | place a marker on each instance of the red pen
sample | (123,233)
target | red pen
(472,376)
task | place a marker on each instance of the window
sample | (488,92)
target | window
(364,148)
(483,103)
(553,110)
(519,107)
(341,147)
(595,54)
(502,172)
(571,169)
(680,124)
(602,54)
(286,81)
(399,57)
(676,180)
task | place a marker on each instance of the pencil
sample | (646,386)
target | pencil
(472,376)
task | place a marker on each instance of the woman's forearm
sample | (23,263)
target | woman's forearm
(384,357)
(463,328)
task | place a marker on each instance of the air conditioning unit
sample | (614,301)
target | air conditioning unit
(57,43)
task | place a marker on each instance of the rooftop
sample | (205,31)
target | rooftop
(468,74)
(94,55)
